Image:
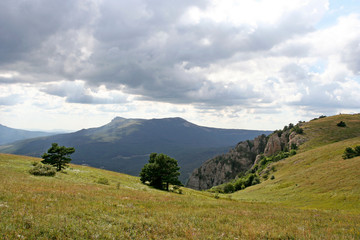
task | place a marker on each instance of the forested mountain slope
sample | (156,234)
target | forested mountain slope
(124,145)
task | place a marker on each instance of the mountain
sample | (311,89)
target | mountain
(248,154)
(124,145)
(9,135)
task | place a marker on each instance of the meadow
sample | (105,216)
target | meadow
(72,205)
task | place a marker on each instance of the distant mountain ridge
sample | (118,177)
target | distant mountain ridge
(124,145)
(9,135)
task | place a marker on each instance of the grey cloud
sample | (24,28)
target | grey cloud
(351,56)
(25,25)
(328,96)
(294,73)
(127,53)
(77,93)
(4,80)
(138,45)
(292,49)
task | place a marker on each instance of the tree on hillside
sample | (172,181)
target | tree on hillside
(341,124)
(58,156)
(161,171)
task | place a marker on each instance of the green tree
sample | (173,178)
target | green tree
(58,156)
(161,171)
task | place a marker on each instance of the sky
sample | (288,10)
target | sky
(250,64)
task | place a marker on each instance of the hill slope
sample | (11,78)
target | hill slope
(124,145)
(72,205)
(317,176)
(9,135)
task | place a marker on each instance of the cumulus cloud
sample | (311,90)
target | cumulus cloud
(210,54)
(77,92)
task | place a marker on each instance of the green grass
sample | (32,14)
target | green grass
(314,195)
(325,131)
(317,177)
(73,205)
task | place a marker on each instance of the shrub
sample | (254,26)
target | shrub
(294,146)
(298,129)
(263,162)
(255,181)
(350,153)
(229,188)
(292,152)
(42,170)
(176,189)
(103,180)
(341,124)
(357,150)
(272,177)
(238,185)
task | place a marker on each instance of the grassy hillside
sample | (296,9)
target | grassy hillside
(323,131)
(73,205)
(317,177)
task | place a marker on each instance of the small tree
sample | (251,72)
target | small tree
(58,156)
(161,171)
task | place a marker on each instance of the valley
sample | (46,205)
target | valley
(123,145)
(313,195)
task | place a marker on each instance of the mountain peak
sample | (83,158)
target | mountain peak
(115,119)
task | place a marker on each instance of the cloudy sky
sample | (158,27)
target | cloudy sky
(253,64)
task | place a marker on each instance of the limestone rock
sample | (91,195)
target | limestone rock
(296,139)
(273,145)
(225,167)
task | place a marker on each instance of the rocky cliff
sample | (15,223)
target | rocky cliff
(226,167)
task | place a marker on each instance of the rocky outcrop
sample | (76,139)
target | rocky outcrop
(296,139)
(225,167)
(273,145)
